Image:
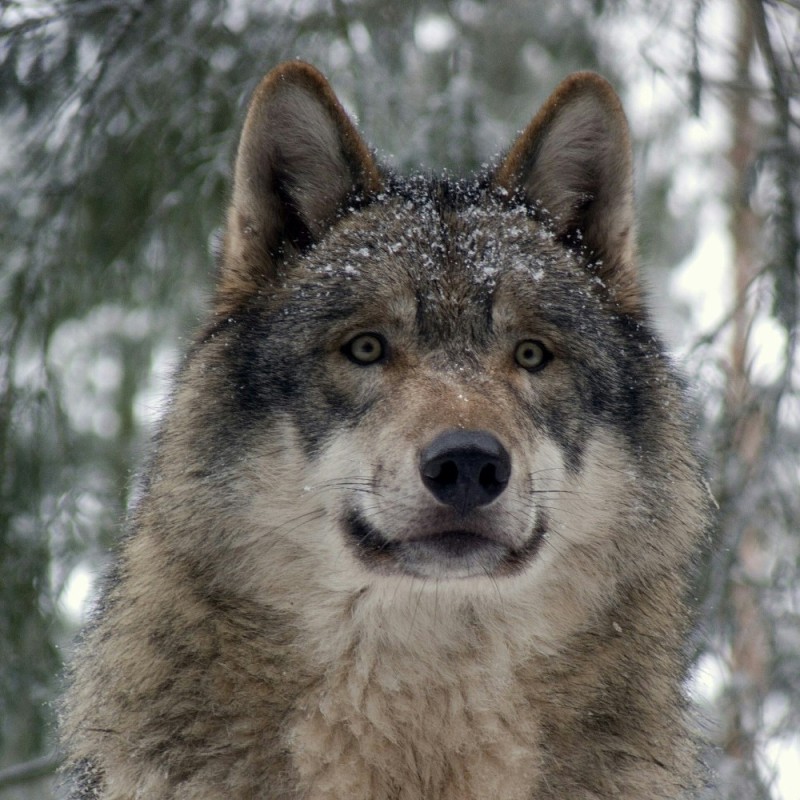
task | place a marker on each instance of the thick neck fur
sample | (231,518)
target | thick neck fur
(418,702)
(451,699)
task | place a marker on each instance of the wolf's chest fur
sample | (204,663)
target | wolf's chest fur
(421,513)
(451,720)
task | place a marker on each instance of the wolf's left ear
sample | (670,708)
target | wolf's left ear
(300,160)
(573,163)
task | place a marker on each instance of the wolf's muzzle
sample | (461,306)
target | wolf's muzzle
(465,469)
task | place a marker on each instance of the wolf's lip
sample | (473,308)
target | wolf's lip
(454,542)
(456,553)
(459,553)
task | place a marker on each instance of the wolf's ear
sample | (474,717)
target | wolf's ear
(573,163)
(300,159)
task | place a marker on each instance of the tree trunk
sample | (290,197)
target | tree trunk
(750,643)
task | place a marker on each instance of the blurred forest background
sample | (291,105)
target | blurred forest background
(118,122)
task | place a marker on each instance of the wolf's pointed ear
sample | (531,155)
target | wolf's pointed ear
(573,163)
(300,159)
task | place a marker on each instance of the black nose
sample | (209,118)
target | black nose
(465,469)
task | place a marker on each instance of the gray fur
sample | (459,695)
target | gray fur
(294,614)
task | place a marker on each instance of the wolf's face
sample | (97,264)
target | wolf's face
(428,380)
(443,366)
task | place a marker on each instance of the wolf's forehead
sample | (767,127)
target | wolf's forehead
(443,267)
(433,245)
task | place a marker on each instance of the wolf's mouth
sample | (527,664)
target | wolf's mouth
(457,553)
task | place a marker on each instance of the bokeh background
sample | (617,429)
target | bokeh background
(118,122)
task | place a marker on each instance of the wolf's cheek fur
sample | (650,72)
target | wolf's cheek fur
(286,552)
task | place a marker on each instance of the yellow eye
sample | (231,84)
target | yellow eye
(365,349)
(531,355)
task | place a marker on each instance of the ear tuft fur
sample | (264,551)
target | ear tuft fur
(573,163)
(300,159)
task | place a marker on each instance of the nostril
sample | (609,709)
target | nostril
(488,477)
(442,472)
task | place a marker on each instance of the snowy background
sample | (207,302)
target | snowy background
(118,122)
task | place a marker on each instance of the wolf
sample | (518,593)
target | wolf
(422,512)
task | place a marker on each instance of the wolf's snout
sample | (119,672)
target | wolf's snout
(465,469)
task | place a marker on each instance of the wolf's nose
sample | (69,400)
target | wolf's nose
(465,469)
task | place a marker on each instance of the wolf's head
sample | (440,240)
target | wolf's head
(428,382)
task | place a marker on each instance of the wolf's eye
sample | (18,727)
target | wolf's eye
(365,349)
(531,355)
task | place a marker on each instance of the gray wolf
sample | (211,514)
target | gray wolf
(421,513)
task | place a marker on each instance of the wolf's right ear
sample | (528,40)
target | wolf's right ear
(573,163)
(300,159)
